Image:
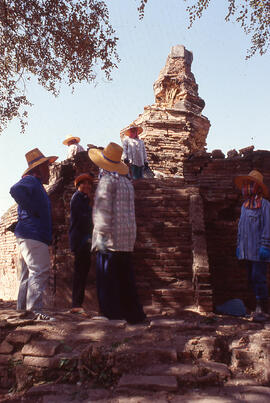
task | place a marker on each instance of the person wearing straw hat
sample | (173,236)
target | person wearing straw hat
(73,145)
(33,232)
(253,241)
(114,237)
(134,151)
(80,237)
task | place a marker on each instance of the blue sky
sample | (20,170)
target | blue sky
(236,91)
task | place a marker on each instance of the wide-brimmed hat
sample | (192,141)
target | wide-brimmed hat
(69,138)
(109,158)
(83,177)
(253,176)
(133,126)
(35,158)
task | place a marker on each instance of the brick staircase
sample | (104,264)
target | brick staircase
(167,360)
(163,250)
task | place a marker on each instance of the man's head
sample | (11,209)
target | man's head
(38,165)
(41,172)
(69,140)
(133,132)
(73,141)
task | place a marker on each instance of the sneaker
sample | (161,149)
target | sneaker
(43,316)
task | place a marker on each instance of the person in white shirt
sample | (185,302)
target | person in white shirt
(134,152)
(73,145)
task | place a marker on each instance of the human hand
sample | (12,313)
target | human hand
(264,253)
(101,244)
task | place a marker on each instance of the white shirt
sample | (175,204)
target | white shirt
(74,149)
(134,151)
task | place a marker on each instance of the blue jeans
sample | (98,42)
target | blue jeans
(136,172)
(34,277)
(257,272)
(116,288)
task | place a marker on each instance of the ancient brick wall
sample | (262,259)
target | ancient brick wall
(163,250)
(8,257)
(222,204)
(179,220)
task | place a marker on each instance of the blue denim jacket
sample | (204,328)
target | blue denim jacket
(81,227)
(34,210)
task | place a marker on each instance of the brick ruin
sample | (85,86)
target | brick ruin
(174,126)
(186,217)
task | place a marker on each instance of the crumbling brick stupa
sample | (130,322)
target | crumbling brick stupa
(174,127)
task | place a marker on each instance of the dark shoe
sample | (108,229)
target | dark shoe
(259,317)
(264,305)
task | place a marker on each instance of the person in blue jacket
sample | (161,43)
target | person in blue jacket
(80,237)
(253,241)
(33,232)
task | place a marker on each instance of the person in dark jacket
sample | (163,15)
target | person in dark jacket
(80,237)
(33,232)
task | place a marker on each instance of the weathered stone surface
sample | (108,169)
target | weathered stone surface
(100,323)
(168,383)
(142,357)
(6,348)
(217,154)
(172,323)
(252,394)
(4,358)
(66,393)
(141,397)
(202,347)
(246,151)
(18,337)
(232,153)
(178,370)
(221,370)
(44,362)
(41,348)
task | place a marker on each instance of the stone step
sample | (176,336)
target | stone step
(167,383)
(201,372)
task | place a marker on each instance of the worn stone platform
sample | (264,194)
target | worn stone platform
(194,357)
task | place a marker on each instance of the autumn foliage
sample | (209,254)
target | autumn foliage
(252,15)
(55,41)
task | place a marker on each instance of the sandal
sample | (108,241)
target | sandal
(79,311)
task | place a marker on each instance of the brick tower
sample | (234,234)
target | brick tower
(174,127)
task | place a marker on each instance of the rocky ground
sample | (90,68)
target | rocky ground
(195,357)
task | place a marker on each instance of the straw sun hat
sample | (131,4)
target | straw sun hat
(35,158)
(133,126)
(69,138)
(109,158)
(253,176)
